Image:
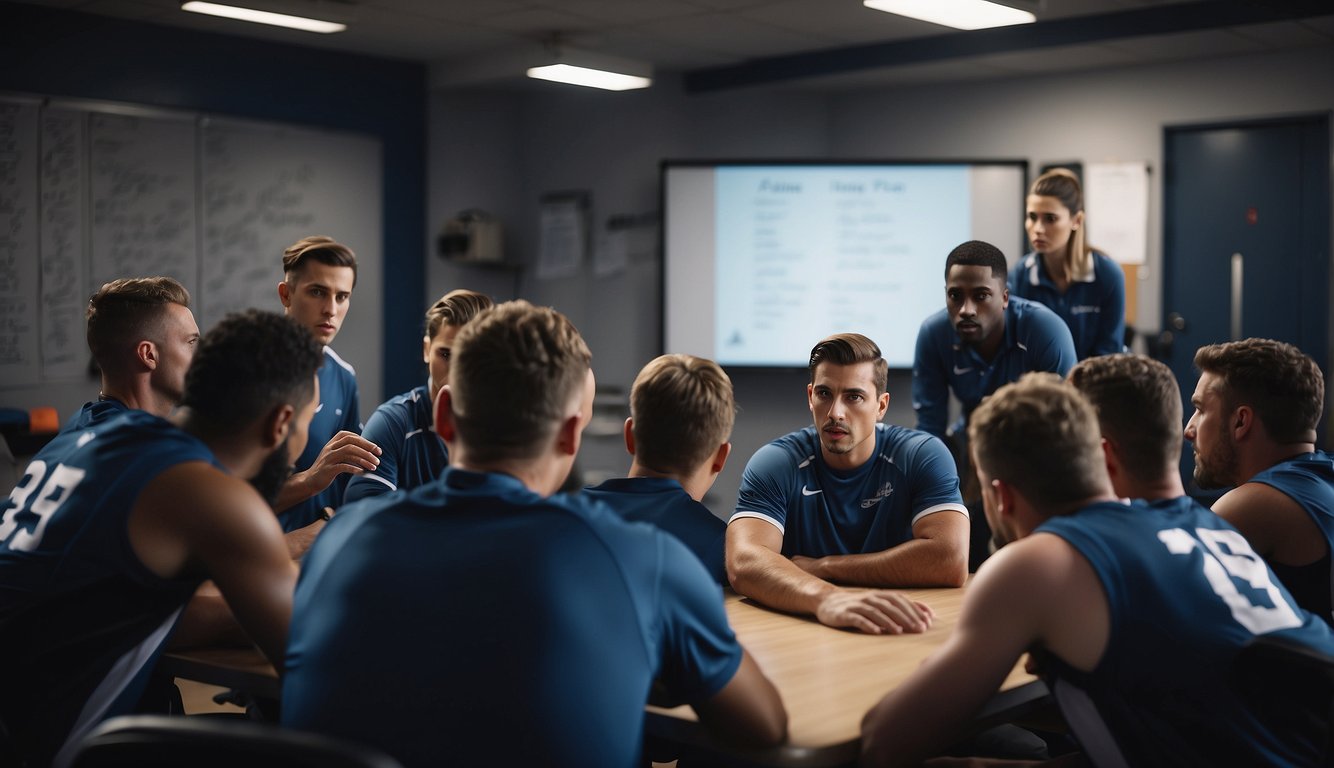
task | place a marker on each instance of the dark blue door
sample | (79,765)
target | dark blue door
(1246,212)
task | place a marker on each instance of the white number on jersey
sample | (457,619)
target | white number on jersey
(1227,555)
(59,485)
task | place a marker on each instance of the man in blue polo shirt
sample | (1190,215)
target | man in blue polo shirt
(680,425)
(537,623)
(982,340)
(848,501)
(1257,406)
(403,427)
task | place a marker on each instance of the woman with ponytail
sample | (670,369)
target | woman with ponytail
(1085,287)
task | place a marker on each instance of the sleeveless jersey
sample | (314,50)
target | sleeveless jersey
(1308,480)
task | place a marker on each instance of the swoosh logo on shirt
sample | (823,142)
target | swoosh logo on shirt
(808,492)
(958,370)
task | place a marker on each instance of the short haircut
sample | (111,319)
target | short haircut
(1139,408)
(683,410)
(851,349)
(124,312)
(247,365)
(455,308)
(514,371)
(319,248)
(1041,436)
(976,253)
(1284,385)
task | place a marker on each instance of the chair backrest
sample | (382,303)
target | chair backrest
(1292,684)
(159,741)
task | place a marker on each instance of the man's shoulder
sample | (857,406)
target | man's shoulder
(794,450)
(343,367)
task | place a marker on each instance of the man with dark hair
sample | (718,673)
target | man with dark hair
(850,501)
(318,277)
(1257,406)
(980,341)
(1138,613)
(403,427)
(100,550)
(535,601)
(679,433)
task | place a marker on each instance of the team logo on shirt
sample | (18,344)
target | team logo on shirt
(880,495)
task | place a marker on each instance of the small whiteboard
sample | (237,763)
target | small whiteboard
(1116,196)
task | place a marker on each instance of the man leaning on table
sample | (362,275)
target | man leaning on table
(1135,612)
(541,621)
(849,501)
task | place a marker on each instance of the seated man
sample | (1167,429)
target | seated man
(316,291)
(1257,406)
(681,415)
(544,619)
(1137,612)
(403,427)
(848,500)
(100,550)
(981,340)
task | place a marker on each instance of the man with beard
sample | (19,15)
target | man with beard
(1137,611)
(980,341)
(851,501)
(1257,405)
(100,550)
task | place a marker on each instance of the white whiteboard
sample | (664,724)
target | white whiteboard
(90,192)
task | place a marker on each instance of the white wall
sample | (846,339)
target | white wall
(503,150)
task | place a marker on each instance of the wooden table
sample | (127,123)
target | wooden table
(829,678)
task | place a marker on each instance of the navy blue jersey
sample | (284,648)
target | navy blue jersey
(1185,593)
(472,622)
(663,502)
(412,453)
(338,411)
(81,618)
(1093,306)
(1308,480)
(1036,339)
(822,511)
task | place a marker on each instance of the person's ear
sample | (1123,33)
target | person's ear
(426,350)
(278,424)
(1243,421)
(146,353)
(285,293)
(629,431)
(720,458)
(883,406)
(1111,456)
(444,416)
(1005,506)
(567,436)
(1077,221)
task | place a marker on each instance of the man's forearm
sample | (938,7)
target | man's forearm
(915,563)
(774,580)
(296,490)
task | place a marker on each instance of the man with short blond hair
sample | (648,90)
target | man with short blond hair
(680,425)
(1137,612)
(1257,405)
(849,501)
(319,274)
(524,601)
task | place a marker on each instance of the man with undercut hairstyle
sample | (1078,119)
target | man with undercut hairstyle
(680,425)
(100,549)
(1257,405)
(412,454)
(1137,612)
(849,501)
(319,274)
(532,600)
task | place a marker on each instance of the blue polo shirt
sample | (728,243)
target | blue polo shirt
(662,502)
(1094,307)
(1036,339)
(412,454)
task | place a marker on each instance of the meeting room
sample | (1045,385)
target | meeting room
(703,383)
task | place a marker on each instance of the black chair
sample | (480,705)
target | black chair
(158,741)
(1291,683)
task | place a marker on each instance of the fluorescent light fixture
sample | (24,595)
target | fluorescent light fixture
(264,17)
(593,78)
(960,14)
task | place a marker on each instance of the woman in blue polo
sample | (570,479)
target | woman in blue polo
(1085,287)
